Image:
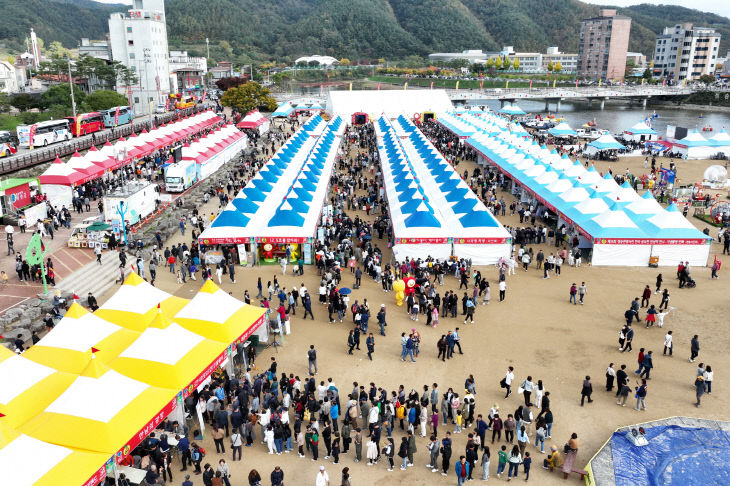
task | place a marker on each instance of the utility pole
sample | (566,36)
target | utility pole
(207,47)
(71,87)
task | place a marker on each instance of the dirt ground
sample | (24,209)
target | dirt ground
(535,330)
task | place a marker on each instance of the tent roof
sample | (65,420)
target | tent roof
(606,142)
(388,102)
(693,139)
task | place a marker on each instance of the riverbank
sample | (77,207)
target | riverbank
(690,106)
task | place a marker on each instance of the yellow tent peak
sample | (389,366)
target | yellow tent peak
(7,434)
(95,368)
(160,321)
(75,311)
(209,287)
(5,353)
(133,279)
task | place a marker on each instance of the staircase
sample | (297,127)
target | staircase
(93,277)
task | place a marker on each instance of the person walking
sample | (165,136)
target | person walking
(573,294)
(312,359)
(506,382)
(502,290)
(462,470)
(694,348)
(586,391)
(514,458)
(370,343)
(668,343)
(647,364)
(582,291)
(610,377)
(323,478)
(641,391)
(645,296)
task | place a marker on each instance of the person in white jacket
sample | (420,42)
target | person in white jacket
(269,438)
(371,451)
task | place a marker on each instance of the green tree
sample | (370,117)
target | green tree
(57,51)
(344,61)
(507,63)
(498,63)
(490,63)
(381,61)
(103,100)
(550,66)
(60,94)
(248,97)
(4,102)
(54,67)
(516,64)
(558,67)
(707,79)
(24,102)
(647,74)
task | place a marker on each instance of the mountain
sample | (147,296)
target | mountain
(393,29)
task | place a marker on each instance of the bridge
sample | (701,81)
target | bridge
(555,95)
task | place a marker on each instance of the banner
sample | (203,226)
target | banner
(576,82)
(378,86)
(31,136)
(19,196)
(554,82)
(506,85)
(350,86)
(530,84)
(116,116)
(205,94)
(431,84)
(599,83)
(481,84)
(167,104)
(457,85)
(405,86)
(78,125)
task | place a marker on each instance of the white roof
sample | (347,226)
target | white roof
(614,219)
(168,345)
(670,219)
(388,102)
(592,205)
(142,297)
(215,307)
(18,374)
(40,456)
(79,334)
(644,206)
(99,399)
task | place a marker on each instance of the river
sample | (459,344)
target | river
(617,117)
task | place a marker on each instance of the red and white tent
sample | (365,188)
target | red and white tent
(255,121)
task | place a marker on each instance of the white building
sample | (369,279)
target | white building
(322,60)
(471,55)
(139,41)
(187,73)
(568,62)
(99,49)
(685,52)
(8,78)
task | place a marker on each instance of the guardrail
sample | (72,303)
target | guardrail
(46,154)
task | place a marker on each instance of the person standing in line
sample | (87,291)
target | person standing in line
(694,348)
(582,291)
(323,478)
(485,463)
(610,376)
(445,453)
(586,391)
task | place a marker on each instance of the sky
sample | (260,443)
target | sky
(719,7)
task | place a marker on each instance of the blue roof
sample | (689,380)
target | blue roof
(254,194)
(411,206)
(475,219)
(231,218)
(297,204)
(303,194)
(422,219)
(464,206)
(286,218)
(262,185)
(456,194)
(245,205)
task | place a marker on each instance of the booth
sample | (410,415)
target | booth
(641,132)
(254,120)
(360,118)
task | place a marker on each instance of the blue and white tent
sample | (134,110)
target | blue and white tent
(604,142)
(562,130)
(512,110)
(641,132)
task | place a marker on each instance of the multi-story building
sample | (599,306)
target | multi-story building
(100,49)
(685,52)
(636,58)
(187,73)
(568,62)
(8,78)
(471,55)
(604,41)
(139,41)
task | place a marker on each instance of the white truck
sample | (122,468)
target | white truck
(181,175)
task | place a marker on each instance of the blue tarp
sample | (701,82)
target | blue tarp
(231,218)
(675,456)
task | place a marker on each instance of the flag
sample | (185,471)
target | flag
(378,86)
(457,85)
(94,350)
(116,114)
(481,84)
(506,85)
(350,86)
(159,309)
(554,82)
(599,83)
(405,86)
(76,297)
(664,82)
(78,125)
(530,84)
(431,84)
(576,82)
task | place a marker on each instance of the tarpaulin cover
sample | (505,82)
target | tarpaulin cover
(674,456)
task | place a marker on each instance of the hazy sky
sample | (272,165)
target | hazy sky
(719,7)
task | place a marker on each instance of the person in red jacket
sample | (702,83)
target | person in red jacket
(646,296)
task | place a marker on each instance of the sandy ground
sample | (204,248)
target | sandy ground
(535,330)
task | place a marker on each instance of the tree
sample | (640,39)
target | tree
(558,67)
(57,51)
(344,61)
(550,66)
(60,94)
(381,61)
(507,63)
(4,102)
(516,64)
(707,79)
(249,97)
(224,84)
(103,100)
(313,63)
(24,102)
(490,63)
(498,63)
(647,74)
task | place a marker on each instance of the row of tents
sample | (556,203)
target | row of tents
(621,227)
(434,212)
(77,403)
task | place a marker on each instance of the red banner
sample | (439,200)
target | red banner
(205,94)
(78,125)
(19,195)
(530,84)
(378,86)
(225,241)
(431,84)
(146,430)
(116,117)
(481,84)
(167,104)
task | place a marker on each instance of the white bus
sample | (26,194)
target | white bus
(46,133)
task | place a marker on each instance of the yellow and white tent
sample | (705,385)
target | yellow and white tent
(134,305)
(26,388)
(168,355)
(68,347)
(100,411)
(47,464)
(214,314)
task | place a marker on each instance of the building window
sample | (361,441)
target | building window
(136,99)
(131,55)
(129,30)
